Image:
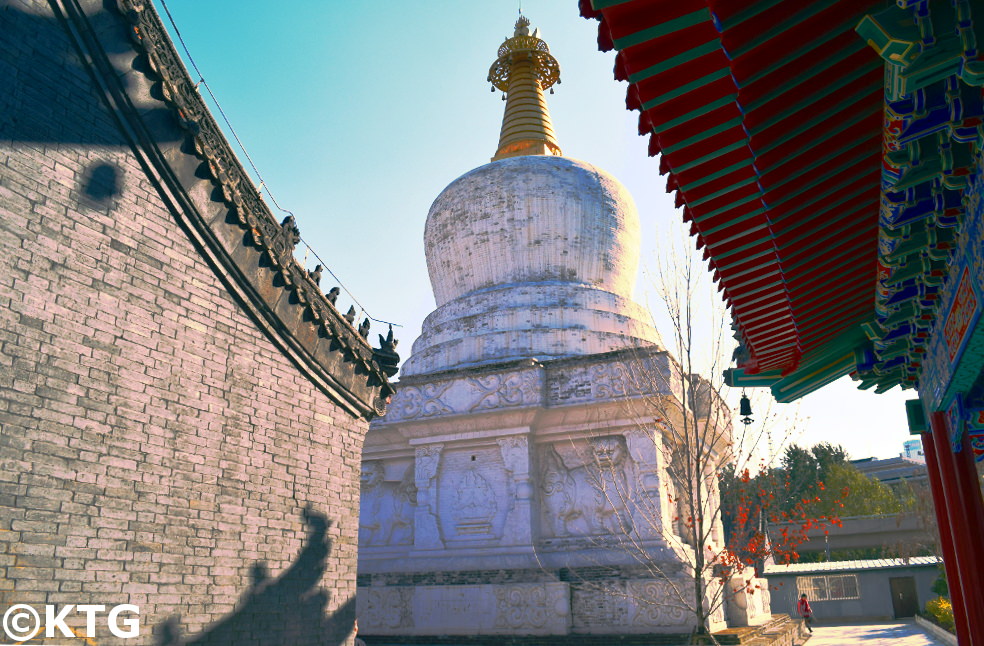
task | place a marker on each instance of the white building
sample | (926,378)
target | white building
(518,483)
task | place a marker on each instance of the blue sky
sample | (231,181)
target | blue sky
(358,114)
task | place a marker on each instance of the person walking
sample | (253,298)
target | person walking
(805,611)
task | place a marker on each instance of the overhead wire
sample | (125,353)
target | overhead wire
(252,164)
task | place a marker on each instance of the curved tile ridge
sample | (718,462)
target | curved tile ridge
(216,203)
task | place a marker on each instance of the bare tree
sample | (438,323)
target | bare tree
(684,414)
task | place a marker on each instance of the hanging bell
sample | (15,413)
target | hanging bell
(745,410)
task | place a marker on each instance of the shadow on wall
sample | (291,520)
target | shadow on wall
(48,95)
(286,611)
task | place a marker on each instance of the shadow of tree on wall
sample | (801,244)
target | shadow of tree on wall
(288,610)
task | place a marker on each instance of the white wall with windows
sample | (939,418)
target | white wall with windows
(853,589)
(828,587)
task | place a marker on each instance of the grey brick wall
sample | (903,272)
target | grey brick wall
(155,447)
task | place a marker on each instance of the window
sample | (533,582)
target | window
(829,588)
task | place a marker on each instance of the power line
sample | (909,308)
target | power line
(256,171)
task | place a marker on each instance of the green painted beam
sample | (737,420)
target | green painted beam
(723,150)
(721,255)
(751,10)
(810,225)
(703,134)
(817,98)
(723,191)
(809,10)
(834,190)
(823,115)
(739,234)
(807,46)
(737,377)
(699,111)
(680,90)
(807,72)
(668,27)
(762,254)
(754,197)
(819,178)
(710,177)
(674,61)
(830,159)
(598,5)
(806,379)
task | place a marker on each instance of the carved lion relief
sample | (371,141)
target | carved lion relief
(387,508)
(586,487)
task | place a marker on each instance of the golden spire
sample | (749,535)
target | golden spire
(524,69)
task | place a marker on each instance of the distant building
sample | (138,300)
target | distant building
(913,449)
(876,588)
(893,471)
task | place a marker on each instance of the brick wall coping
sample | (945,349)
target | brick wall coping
(216,204)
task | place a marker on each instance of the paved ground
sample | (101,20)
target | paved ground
(893,633)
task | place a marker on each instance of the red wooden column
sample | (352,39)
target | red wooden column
(963,508)
(946,539)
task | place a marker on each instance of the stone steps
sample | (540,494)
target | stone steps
(780,631)
(531,640)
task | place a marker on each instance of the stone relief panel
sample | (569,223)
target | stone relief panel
(474,504)
(504,390)
(596,607)
(515,450)
(466,394)
(661,603)
(649,513)
(521,608)
(531,608)
(586,487)
(632,376)
(387,508)
(476,494)
(385,609)
(427,459)
(636,606)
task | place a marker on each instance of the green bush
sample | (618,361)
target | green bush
(942,612)
(940,586)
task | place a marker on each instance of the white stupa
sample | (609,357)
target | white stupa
(523,395)
(530,256)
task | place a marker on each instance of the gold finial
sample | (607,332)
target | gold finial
(524,69)
(522,26)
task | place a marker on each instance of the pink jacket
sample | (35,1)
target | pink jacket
(804,608)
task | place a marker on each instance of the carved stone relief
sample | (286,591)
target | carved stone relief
(385,608)
(502,390)
(475,504)
(661,602)
(477,494)
(599,606)
(426,461)
(530,607)
(495,391)
(515,450)
(386,515)
(586,487)
(609,380)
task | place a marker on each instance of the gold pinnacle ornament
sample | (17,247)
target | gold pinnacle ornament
(524,69)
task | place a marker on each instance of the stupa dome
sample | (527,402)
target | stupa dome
(533,255)
(532,219)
